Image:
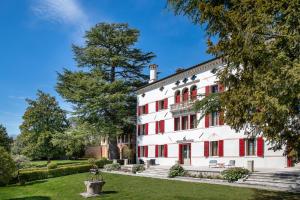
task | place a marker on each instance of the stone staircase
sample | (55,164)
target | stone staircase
(155,171)
(289,181)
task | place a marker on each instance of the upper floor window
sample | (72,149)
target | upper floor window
(162,104)
(143,109)
(193,121)
(214,119)
(143,129)
(177,97)
(185,94)
(194,92)
(184,121)
(177,124)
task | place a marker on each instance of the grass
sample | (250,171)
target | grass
(130,187)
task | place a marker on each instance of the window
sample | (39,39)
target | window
(162,104)
(176,124)
(193,121)
(193,92)
(250,147)
(177,97)
(161,151)
(214,119)
(214,89)
(144,109)
(214,148)
(161,126)
(185,122)
(185,95)
(143,151)
(142,129)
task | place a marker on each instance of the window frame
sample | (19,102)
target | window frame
(160,151)
(212,151)
(247,147)
(182,123)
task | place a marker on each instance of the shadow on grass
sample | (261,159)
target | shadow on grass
(31,198)
(109,192)
(269,195)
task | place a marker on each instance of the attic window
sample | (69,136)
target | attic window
(185,80)
(161,88)
(177,83)
(194,77)
(143,94)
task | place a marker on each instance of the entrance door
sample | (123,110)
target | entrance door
(186,154)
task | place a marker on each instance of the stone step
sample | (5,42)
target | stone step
(268,184)
(296,175)
(271,181)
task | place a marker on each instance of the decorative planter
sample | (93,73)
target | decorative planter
(93,188)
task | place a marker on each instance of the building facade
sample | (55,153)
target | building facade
(168,130)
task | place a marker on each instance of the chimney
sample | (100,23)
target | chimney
(153,73)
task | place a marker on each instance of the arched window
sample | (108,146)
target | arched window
(194,92)
(185,94)
(177,97)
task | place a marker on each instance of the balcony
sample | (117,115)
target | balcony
(182,107)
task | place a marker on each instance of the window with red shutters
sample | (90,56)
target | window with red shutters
(214,148)
(184,122)
(250,147)
(193,92)
(206,148)
(143,129)
(177,124)
(177,97)
(242,146)
(221,148)
(260,147)
(166,103)
(161,126)
(185,95)
(193,121)
(143,109)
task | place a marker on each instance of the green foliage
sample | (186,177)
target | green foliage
(112,167)
(259,41)
(104,161)
(176,170)
(21,161)
(5,140)
(138,168)
(43,118)
(234,174)
(62,171)
(7,167)
(32,175)
(52,165)
(113,71)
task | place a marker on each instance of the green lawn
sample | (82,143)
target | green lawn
(129,187)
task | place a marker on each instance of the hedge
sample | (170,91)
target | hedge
(33,175)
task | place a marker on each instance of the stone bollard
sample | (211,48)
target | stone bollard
(250,165)
(147,164)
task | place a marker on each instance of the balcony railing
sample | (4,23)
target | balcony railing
(182,106)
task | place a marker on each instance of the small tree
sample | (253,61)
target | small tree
(7,167)
(5,140)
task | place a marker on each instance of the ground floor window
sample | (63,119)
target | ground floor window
(161,150)
(143,151)
(250,147)
(214,148)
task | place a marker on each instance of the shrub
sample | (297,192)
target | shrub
(32,175)
(138,168)
(234,174)
(22,161)
(62,171)
(112,167)
(52,166)
(102,162)
(7,167)
(176,170)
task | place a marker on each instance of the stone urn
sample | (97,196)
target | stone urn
(93,188)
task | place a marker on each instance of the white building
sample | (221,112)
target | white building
(168,130)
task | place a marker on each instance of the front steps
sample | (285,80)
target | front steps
(280,180)
(155,171)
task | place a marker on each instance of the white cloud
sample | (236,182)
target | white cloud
(64,12)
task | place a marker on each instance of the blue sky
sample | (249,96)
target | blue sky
(36,38)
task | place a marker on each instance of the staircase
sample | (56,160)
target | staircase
(289,181)
(155,171)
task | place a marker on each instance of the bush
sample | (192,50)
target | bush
(138,168)
(62,171)
(7,167)
(112,167)
(52,166)
(22,161)
(176,170)
(234,174)
(102,162)
(32,175)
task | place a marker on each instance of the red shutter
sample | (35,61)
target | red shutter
(156,106)
(260,147)
(166,103)
(221,148)
(177,98)
(289,161)
(146,151)
(206,121)
(207,90)
(156,151)
(156,127)
(221,118)
(147,128)
(180,154)
(162,126)
(166,150)
(242,147)
(206,149)
(146,109)
(139,151)
(221,88)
